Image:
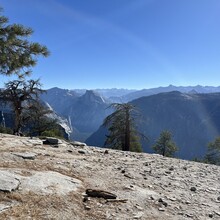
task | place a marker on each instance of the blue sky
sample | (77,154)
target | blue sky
(122,43)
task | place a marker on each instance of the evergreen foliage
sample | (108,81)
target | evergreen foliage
(164,145)
(5,130)
(20,94)
(122,132)
(38,120)
(213,154)
(17,54)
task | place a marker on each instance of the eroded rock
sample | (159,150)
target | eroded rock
(8,181)
(26,155)
(50,182)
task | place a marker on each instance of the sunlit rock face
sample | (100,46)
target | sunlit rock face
(84,111)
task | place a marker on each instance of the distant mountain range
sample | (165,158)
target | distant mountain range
(184,89)
(126,95)
(191,113)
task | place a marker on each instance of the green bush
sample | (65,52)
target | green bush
(52,133)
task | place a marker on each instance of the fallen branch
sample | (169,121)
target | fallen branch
(100,194)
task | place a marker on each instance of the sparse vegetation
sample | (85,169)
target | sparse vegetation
(164,145)
(213,154)
(6,130)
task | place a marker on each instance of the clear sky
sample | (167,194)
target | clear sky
(123,43)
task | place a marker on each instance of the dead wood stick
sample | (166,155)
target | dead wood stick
(100,194)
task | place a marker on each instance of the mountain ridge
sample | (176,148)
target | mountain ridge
(194,120)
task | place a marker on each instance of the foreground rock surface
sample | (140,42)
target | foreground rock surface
(64,183)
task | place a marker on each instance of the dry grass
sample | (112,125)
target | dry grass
(38,166)
(34,206)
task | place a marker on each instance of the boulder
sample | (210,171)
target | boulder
(78,144)
(50,182)
(8,181)
(26,155)
(52,140)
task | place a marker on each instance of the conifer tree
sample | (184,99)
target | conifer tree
(17,54)
(19,94)
(213,154)
(121,126)
(164,145)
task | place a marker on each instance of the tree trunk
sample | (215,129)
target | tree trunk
(127,131)
(17,128)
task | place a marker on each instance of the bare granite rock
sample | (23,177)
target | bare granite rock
(145,186)
(49,182)
(8,181)
(26,155)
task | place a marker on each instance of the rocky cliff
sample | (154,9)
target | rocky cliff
(60,180)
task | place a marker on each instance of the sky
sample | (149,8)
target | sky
(131,44)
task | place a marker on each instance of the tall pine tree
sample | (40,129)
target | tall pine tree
(122,131)
(164,145)
(17,53)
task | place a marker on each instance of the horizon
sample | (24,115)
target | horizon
(134,89)
(122,43)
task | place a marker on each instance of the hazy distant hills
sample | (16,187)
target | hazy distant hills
(184,89)
(194,120)
(192,114)
(126,95)
(85,110)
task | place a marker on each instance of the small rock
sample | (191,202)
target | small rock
(52,140)
(85,199)
(172,199)
(81,151)
(163,202)
(27,156)
(151,198)
(189,215)
(218,199)
(210,215)
(161,209)
(78,144)
(70,151)
(87,207)
(193,188)
(123,171)
(138,215)
(187,202)
(171,168)
(106,152)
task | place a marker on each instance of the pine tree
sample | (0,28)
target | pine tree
(121,126)
(213,154)
(164,145)
(17,54)
(19,94)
